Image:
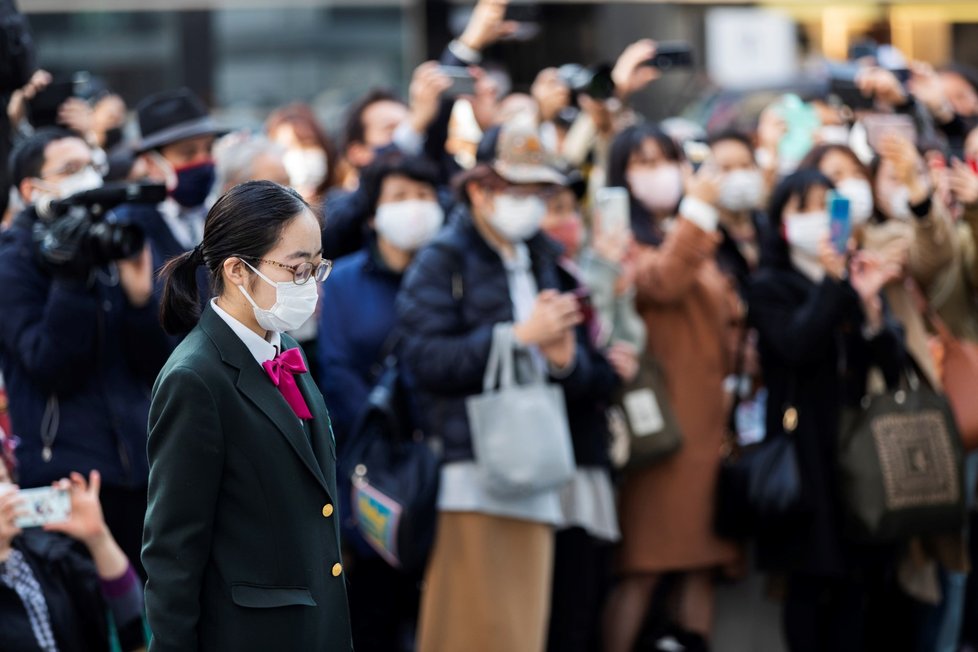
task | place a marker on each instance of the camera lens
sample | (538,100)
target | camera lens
(110,242)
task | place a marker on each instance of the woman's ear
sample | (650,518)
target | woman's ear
(234,271)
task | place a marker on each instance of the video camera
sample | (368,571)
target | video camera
(72,235)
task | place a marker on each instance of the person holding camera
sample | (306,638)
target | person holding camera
(80,342)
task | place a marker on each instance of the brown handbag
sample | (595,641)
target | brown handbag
(957,364)
(959,375)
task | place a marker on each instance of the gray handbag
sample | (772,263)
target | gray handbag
(520,434)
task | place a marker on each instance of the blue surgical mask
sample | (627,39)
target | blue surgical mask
(194,183)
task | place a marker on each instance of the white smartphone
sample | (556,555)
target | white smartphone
(613,209)
(42,506)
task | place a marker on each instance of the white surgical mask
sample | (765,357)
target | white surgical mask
(860,196)
(806,231)
(85,179)
(900,203)
(306,167)
(409,225)
(659,189)
(517,218)
(294,304)
(742,190)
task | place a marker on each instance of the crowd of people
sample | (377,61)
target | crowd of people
(493,365)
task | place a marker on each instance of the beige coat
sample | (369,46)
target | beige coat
(691,311)
(931,252)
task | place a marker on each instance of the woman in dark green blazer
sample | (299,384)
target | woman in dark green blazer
(241,540)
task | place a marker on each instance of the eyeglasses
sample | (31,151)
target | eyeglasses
(302,272)
(74,167)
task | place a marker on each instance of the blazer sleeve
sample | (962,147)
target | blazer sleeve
(186,459)
(666,273)
(443,357)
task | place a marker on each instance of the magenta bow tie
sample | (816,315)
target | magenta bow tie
(282,370)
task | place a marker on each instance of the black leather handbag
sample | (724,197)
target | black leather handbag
(393,477)
(900,465)
(760,483)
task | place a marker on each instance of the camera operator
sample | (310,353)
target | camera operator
(80,342)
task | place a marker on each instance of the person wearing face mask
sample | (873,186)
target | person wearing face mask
(692,317)
(489,267)
(242,543)
(309,152)
(743,192)
(353,345)
(80,343)
(821,327)
(176,149)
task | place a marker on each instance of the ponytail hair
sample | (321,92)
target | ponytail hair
(246,222)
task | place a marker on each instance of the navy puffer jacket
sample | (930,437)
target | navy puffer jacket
(452,296)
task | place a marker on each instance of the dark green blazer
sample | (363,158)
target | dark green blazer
(241,542)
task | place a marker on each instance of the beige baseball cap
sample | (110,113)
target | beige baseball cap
(521,156)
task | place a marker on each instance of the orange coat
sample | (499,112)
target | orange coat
(692,312)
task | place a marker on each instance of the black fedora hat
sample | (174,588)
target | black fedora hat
(170,116)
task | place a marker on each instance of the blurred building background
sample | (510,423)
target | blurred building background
(247,56)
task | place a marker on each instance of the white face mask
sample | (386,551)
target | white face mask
(899,207)
(860,196)
(294,304)
(806,231)
(86,179)
(658,189)
(306,167)
(409,225)
(517,218)
(742,190)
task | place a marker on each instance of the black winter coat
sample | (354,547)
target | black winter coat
(814,357)
(452,296)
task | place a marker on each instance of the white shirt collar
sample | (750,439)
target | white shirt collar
(262,349)
(186,224)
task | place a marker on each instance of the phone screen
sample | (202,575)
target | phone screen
(42,506)
(613,209)
(840,223)
(463,83)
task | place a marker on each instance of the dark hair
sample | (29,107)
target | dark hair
(630,141)
(775,248)
(625,144)
(731,135)
(393,164)
(309,132)
(27,158)
(355,131)
(813,160)
(246,222)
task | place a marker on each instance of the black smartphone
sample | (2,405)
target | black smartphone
(846,91)
(670,55)
(463,83)
(44,107)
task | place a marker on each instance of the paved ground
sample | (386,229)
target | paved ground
(747,621)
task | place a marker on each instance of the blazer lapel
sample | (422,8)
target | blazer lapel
(323,444)
(254,383)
